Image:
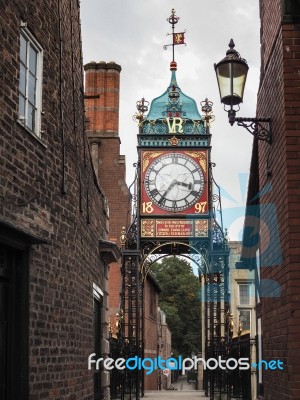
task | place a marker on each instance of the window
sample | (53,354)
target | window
(245,305)
(245,317)
(30,82)
(291,10)
(244,293)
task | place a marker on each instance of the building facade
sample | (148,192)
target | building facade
(54,247)
(243,306)
(102,91)
(242,290)
(275,174)
(102,97)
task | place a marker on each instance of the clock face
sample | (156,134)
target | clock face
(174,182)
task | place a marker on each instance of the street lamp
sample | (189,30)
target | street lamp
(231,76)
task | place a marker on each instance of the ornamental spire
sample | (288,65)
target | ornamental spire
(178,38)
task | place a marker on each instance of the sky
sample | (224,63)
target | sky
(132,33)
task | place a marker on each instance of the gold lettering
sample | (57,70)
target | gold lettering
(173,122)
(147,207)
(200,207)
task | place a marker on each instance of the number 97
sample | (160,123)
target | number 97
(200,207)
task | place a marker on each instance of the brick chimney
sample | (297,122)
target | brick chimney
(102,89)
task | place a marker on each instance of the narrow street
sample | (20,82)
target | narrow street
(182,390)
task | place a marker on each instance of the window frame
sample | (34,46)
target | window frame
(250,318)
(22,119)
(239,302)
(290,11)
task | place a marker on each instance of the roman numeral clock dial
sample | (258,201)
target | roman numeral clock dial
(174,182)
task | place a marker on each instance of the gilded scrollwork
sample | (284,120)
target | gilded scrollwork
(201,156)
(147,156)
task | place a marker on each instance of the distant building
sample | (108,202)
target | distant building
(242,293)
(54,247)
(242,303)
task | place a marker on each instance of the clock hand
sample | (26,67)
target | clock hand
(188,185)
(174,182)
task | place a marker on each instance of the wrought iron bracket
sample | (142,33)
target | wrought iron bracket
(260,128)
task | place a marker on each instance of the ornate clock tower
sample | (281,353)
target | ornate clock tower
(174,149)
(174,215)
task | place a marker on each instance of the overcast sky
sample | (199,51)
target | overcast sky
(132,33)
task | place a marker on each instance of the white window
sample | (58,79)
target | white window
(244,294)
(245,317)
(245,304)
(30,84)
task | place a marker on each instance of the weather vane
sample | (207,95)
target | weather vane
(178,38)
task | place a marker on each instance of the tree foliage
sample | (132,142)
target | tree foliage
(179,300)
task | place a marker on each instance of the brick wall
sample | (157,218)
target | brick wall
(279,98)
(48,189)
(151,330)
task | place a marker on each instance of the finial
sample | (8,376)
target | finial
(123,236)
(231,44)
(173,19)
(231,50)
(142,107)
(206,107)
(232,53)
